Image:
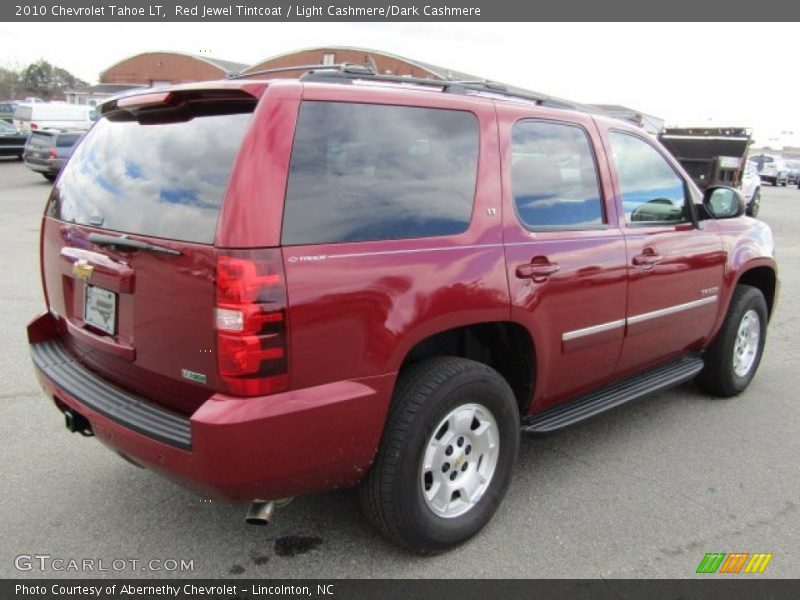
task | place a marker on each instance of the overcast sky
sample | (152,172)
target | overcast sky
(695,74)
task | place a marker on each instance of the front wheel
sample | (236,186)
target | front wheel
(446,457)
(732,360)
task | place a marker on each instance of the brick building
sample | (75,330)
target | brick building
(383,62)
(163,68)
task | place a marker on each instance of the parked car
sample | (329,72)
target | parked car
(250,291)
(36,116)
(7,111)
(47,151)
(751,188)
(793,175)
(12,142)
(771,168)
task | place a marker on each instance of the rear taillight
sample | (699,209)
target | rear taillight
(250,319)
(34,126)
(52,153)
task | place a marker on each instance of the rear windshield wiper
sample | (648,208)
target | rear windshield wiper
(126,242)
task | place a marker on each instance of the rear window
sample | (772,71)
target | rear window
(68,139)
(42,138)
(163,180)
(371,172)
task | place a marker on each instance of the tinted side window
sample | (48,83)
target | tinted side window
(651,190)
(553,176)
(369,172)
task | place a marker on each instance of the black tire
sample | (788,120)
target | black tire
(755,203)
(718,377)
(50,177)
(392,493)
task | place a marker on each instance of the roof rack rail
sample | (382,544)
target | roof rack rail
(244,75)
(349,72)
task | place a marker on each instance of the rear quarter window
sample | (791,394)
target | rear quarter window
(371,172)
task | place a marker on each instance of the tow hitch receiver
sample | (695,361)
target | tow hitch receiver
(77,423)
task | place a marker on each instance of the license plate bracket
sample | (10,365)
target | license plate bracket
(100,308)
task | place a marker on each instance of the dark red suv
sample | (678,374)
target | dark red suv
(264,289)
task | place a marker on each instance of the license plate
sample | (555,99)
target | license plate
(100,308)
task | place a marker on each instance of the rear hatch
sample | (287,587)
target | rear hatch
(128,255)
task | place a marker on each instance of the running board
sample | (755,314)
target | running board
(614,395)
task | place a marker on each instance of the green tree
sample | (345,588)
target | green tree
(46,81)
(10,83)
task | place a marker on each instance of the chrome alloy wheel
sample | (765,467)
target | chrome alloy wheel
(748,338)
(460,460)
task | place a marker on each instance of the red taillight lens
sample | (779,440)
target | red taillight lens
(250,318)
(34,126)
(52,153)
(239,280)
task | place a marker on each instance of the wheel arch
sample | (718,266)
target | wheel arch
(505,346)
(765,279)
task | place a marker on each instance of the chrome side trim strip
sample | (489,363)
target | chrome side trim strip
(579,333)
(671,310)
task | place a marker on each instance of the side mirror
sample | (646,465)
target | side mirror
(723,202)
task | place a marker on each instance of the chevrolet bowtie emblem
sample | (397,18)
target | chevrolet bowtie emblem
(82,270)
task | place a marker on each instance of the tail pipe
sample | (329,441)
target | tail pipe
(260,512)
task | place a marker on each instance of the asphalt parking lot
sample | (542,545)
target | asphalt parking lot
(643,492)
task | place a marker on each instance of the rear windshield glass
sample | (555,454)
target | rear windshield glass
(42,138)
(375,172)
(68,139)
(163,180)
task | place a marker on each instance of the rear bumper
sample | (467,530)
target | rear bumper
(240,449)
(44,165)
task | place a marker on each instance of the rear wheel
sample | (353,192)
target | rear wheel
(49,176)
(732,360)
(755,203)
(446,457)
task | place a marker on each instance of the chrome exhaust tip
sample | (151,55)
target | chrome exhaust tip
(260,512)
